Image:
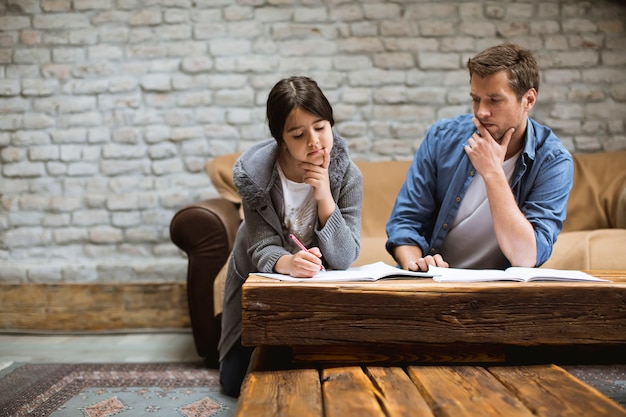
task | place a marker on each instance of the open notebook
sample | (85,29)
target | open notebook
(369,272)
(510,274)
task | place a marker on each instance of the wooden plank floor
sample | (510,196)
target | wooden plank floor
(511,391)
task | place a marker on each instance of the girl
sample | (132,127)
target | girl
(303,183)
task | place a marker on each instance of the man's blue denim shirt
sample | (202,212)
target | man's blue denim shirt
(441,172)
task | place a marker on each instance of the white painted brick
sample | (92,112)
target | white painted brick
(6,56)
(397,60)
(441,61)
(82,169)
(273,14)
(375,77)
(382,11)
(177,16)
(575,59)
(8,23)
(56,169)
(11,154)
(162,151)
(62,204)
(429,11)
(12,188)
(362,45)
(186,48)
(43,153)
(76,135)
(155,134)
(33,202)
(61,21)
(167,166)
(174,32)
(146,17)
(105,234)
(68,235)
(348,63)
(27,236)
(113,167)
(237,13)
(5,138)
(79,272)
(197,64)
(12,273)
(578,25)
(148,200)
(125,218)
(23,169)
(310,14)
(13,105)
(56,220)
(11,122)
(25,218)
(9,88)
(142,235)
(44,273)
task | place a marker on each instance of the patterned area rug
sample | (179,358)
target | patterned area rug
(121,390)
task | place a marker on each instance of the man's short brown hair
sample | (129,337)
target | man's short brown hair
(519,63)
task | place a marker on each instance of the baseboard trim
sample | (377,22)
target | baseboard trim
(74,307)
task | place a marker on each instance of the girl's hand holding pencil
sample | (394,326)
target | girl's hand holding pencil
(301,246)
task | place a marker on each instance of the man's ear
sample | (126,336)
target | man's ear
(529,99)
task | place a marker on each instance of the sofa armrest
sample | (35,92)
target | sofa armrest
(205,231)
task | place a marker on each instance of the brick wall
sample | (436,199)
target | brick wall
(110,108)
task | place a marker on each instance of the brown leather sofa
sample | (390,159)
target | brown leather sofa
(593,237)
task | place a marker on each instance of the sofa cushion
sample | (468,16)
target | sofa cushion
(373,250)
(589,249)
(220,171)
(599,180)
(382,181)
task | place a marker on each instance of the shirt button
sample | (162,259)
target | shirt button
(445,226)
(433,250)
(458,199)
(472,172)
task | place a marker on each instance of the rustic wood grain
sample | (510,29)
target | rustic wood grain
(349,392)
(460,391)
(397,393)
(93,307)
(386,353)
(426,391)
(549,390)
(295,392)
(424,311)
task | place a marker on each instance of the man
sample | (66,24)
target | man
(488,191)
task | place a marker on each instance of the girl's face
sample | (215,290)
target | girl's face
(305,137)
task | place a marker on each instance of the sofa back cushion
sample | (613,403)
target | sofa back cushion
(594,202)
(220,170)
(381,183)
(599,181)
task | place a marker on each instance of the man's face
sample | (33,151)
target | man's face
(496,105)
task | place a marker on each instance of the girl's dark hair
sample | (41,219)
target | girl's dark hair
(293,92)
(519,63)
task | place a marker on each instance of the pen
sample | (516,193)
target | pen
(295,239)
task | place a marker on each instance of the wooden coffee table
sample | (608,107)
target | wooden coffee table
(420,320)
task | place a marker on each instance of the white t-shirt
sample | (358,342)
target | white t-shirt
(471,241)
(300,209)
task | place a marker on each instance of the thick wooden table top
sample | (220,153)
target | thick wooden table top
(278,313)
